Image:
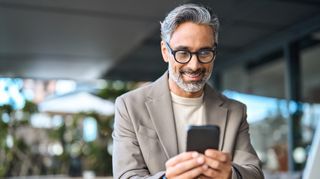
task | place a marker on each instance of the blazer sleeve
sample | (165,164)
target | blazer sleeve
(246,164)
(127,159)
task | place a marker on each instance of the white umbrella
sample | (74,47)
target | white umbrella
(77,102)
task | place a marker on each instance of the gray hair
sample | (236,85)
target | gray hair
(189,13)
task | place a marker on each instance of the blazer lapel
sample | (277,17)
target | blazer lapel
(159,106)
(215,112)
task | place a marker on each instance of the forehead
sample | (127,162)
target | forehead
(193,35)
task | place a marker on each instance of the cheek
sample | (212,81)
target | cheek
(209,68)
(175,67)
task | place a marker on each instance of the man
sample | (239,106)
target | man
(149,132)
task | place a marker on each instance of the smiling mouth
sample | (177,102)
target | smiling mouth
(194,75)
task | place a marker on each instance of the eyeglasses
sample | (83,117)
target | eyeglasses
(184,56)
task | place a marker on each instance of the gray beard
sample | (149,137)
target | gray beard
(188,87)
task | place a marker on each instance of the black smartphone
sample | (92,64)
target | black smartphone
(201,138)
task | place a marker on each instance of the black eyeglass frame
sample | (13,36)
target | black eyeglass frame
(213,50)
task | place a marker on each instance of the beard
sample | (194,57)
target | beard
(192,86)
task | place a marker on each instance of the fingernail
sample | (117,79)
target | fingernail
(195,154)
(205,167)
(200,160)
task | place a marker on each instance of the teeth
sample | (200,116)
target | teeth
(192,75)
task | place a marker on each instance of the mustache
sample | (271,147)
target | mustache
(193,72)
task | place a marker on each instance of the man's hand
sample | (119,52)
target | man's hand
(186,165)
(219,165)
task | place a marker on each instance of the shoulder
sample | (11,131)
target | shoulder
(236,109)
(233,104)
(149,91)
(224,101)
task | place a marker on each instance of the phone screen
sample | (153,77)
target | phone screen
(201,138)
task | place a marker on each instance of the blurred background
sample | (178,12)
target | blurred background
(63,63)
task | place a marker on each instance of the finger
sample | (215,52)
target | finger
(204,177)
(181,157)
(210,173)
(217,168)
(214,164)
(193,173)
(218,155)
(185,166)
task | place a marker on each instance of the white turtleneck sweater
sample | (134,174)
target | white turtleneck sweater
(187,111)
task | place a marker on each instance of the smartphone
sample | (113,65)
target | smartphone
(201,138)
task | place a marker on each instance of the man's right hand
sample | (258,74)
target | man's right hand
(186,165)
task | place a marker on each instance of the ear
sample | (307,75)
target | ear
(164,51)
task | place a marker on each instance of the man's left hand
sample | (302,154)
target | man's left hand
(219,165)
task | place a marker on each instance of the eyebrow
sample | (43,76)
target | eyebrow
(181,48)
(187,48)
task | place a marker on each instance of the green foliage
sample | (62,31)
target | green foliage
(6,109)
(115,89)
(19,149)
(25,159)
(30,107)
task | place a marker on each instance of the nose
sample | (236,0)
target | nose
(194,63)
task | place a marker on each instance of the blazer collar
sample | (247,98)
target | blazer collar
(216,111)
(160,110)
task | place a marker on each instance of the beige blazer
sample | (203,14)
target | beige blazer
(144,135)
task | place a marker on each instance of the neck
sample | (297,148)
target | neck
(180,92)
